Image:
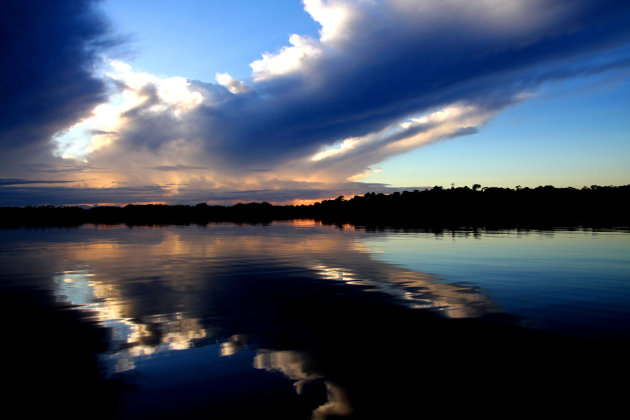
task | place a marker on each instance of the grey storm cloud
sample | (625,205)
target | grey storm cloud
(20,193)
(9,181)
(49,50)
(24,195)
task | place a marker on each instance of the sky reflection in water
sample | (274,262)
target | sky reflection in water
(291,315)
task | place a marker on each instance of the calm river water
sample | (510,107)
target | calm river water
(303,320)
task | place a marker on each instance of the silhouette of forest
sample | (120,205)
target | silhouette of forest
(437,207)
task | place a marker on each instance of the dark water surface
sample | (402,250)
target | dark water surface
(300,320)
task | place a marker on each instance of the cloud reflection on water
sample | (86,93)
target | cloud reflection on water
(301,303)
(148,287)
(171,289)
(147,292)
(130,339)
(297,367)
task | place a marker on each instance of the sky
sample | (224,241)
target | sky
(116,102)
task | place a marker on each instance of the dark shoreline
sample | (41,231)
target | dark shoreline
(541,207)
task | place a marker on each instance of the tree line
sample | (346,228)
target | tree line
(543,206)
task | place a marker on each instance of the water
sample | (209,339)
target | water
(302,320)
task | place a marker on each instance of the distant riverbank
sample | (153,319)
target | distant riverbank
(433,208)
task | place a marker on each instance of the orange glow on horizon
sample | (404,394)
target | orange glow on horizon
(305,222)
(307,202)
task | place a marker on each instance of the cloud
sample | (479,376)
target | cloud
(377,65)
(289,60)
(171,168)
(382,78)
(234,86)
(20,193)
(49,51)
(8,181)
